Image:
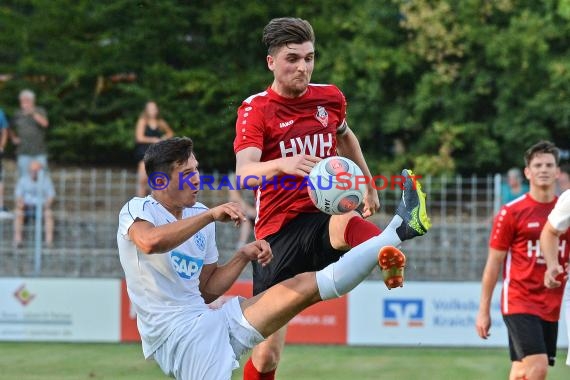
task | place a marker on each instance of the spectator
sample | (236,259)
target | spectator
(31,191)
(4,214)
(514,188)
(30,123)
(563,179)
(150,129)
(246,227)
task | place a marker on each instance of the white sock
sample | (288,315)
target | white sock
(354,266)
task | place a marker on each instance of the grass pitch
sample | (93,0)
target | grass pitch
(58,361)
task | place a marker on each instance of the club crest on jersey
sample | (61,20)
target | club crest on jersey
(186,266)
(200,240)
(322,116)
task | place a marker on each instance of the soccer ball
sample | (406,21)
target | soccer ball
(334,185)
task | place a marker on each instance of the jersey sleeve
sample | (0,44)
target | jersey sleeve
(212,254)
(342,125)
(503,231)
(560,216)
(136,208)
(249,127)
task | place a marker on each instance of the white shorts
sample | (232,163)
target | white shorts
(208,347)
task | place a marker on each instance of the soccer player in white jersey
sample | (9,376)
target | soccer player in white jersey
(556,274)
(168,253)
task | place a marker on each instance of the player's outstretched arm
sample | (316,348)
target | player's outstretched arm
(248,165)
(216,280)
(549,247)
(491,273)
(152,239)
(349,147)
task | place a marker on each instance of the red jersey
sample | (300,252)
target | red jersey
(517,229)
(284,127)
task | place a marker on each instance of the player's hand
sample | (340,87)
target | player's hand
(16,140)
(299,165)
(552,277)
(228,212)
(371,202)
(483,325)
(258,250)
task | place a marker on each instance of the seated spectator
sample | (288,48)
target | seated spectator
(31,191)
(515,187)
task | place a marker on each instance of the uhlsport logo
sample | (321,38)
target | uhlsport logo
(402,312)
(184,265)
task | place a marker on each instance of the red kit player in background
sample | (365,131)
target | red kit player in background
(530,310)
(286,130)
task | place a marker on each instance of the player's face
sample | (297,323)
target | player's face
(184,183)
(542,170)
(292,67)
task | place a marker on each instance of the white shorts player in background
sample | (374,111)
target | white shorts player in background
(555,276)
(168,251)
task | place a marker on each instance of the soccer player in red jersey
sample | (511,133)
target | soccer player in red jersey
(283,132)
(530,310)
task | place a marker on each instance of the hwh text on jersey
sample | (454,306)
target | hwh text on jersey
(319,144)
(533,249)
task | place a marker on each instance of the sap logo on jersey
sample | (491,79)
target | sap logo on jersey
(184,265)
(400,312)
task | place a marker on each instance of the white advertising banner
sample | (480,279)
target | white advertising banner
(425,313)
(67,310)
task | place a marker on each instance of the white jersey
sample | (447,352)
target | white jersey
(560,216)
(164,287)
(560,219)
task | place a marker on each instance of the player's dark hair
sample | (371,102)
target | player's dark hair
(165,155)
(542,147)
(286,30)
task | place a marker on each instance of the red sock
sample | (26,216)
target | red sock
(251,373)
(359,230)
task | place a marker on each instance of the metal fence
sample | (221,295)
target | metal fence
(88,201)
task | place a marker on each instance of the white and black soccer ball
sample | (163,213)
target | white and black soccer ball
(333,186)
